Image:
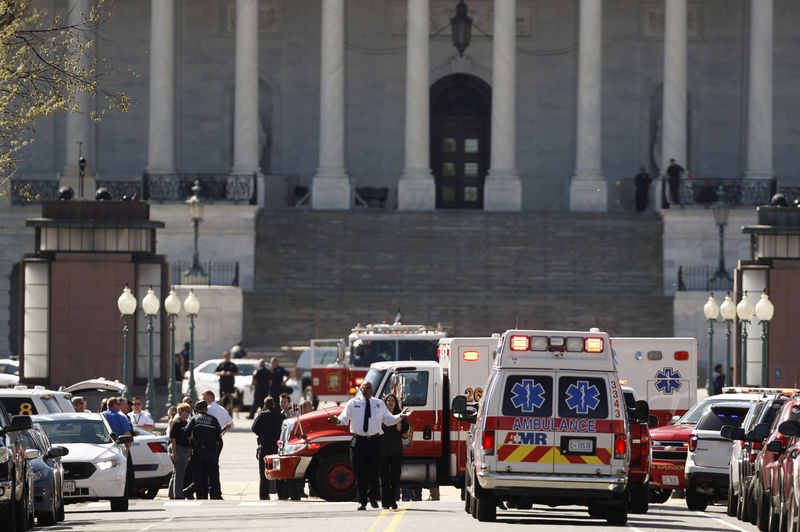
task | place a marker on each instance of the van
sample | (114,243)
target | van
(551,428)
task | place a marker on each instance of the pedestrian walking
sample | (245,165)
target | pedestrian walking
(260,386)
(642,182)
(278,378)
(179,450)
(140,418)
(267,426)
(392,455)
(366,415)
(203,431)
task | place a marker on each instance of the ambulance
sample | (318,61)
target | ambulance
(551,428)
(338,380)
(434,449)
(663,371)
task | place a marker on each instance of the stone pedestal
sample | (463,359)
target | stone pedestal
(415,194)
(502,193)
(588,195)
(331,193)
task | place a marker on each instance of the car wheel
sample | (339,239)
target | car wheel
(119,504)
(8,516)
(733,500)
(639,498)
(617,515)
(659,495)
(62,514)
(21,511)
(51,517)
(485,507)
(696,501)
(762,518)
(335,479)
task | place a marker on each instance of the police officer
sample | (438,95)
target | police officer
(267,427)
(205,435)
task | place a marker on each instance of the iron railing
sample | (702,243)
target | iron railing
(701,278)
(216,273)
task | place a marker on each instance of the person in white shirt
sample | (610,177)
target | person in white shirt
(140,418)
(216,410)
(365,415)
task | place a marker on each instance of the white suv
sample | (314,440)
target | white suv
(23,401)
(707,463)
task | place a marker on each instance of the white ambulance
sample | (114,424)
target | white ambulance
(663,371)
(551,428)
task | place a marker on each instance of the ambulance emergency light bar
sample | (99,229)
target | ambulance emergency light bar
(571,344)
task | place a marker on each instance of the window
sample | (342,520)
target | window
(20,406)
(717,418)
(415,388)
(582,397)
(528,395)
(75,431)
(417,349)
(365,352)
(208,368)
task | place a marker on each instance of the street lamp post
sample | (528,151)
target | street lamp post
(127,306)
(150,305)
(728,311)
(744,310)
(764,312)
(711,311)
(173,306)
(192,306)
(196,208)
(721,209)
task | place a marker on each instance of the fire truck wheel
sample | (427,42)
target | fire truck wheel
(640,495)
(334,479)
(659,495)
(485,507)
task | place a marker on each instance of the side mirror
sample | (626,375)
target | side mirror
(125,439)
(55,452)
(31,454)
(19,423)
(652,421)
(753,437)
(459,405)
(674,420)
(789,428)
(729,432)
(775,446)
(762,430)
(642,411)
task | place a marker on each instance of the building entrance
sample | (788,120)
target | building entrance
(460,129)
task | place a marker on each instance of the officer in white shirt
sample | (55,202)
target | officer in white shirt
(222,416)
(365,415)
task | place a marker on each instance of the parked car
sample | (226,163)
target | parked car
(48,476)
(205,378)
(24,401)
(9,372)
(16,479)
(707,466)
(95,468)
(747,441)
(789,482)
(95,390)
(151,463)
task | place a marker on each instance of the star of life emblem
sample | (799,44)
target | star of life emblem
(668,381)
(581,397)
(527,395)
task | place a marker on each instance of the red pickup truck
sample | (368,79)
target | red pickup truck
(641,457)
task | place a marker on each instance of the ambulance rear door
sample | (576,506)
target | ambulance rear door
(519,419)
(329,372)
(589,411)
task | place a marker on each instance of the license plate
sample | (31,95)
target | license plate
(580,446)
(69,485)
(669,480)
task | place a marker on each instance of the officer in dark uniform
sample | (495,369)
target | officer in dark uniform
(204,432)
(267,427)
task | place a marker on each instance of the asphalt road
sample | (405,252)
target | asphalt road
(241,510)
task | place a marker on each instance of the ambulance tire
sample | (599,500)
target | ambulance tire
(485,507)
(617,515)
(659,495)
(696,501)
(639,498)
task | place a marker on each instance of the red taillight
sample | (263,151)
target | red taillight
(487,441)
(681,355)
(692,442)
(520,343)
(620,445)
(593,345)
(157,446)
(470,355)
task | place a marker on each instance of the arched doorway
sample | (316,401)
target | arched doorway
(461,107)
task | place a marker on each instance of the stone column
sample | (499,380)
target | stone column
(503,190)
(161,127)
(673,112)
(759,94)
(587,190)
(245,114)
(416,190)
(79,126)
(331,186)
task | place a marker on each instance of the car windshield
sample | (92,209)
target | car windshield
(374,377)
(76,431)
(365,352)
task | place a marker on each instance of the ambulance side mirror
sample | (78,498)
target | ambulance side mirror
(652,421)
(642,411)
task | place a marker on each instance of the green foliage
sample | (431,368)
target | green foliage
(45,62)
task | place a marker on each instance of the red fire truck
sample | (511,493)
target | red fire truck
(338,381)
(434,452)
